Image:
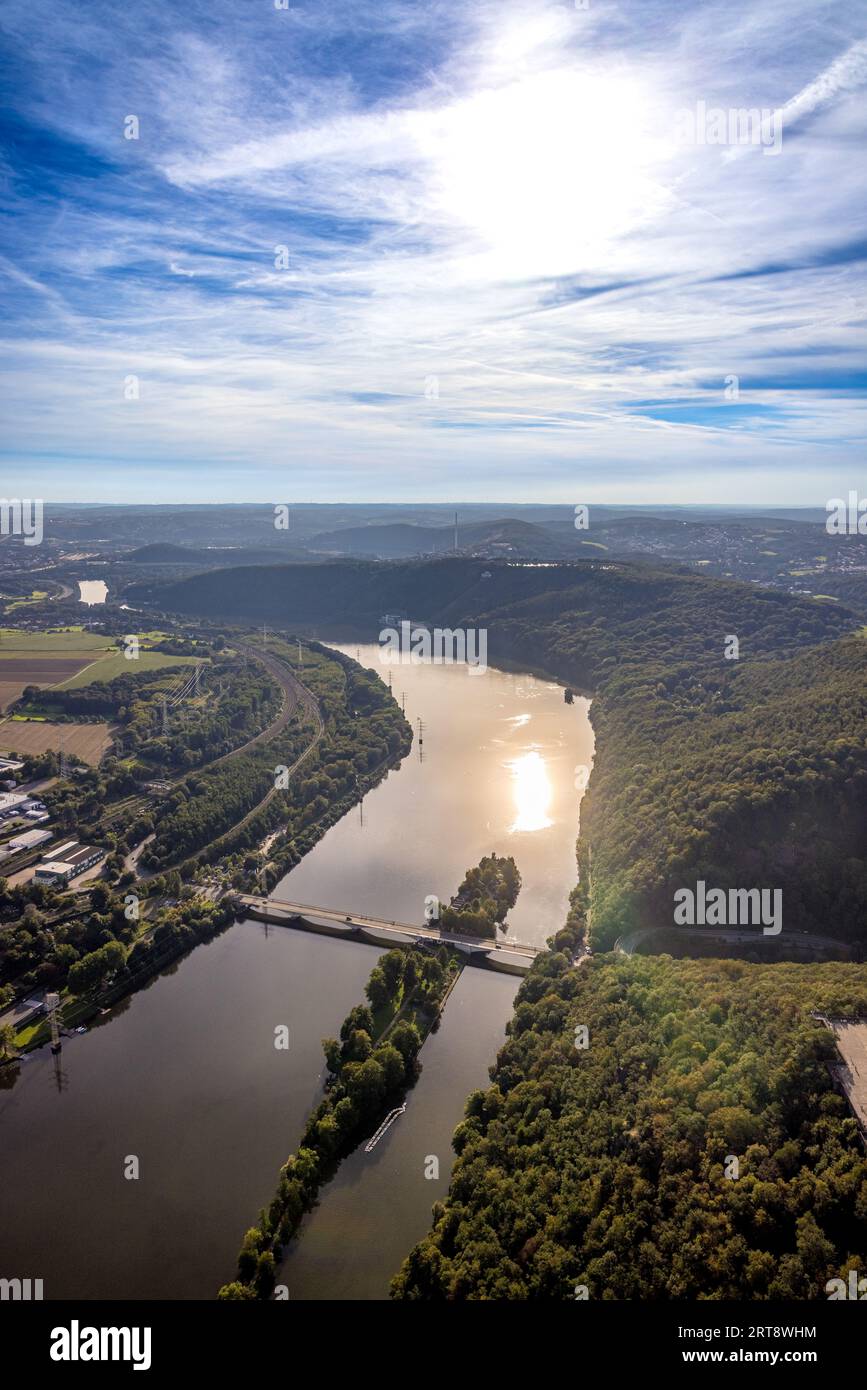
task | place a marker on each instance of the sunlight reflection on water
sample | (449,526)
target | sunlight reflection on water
(531,788)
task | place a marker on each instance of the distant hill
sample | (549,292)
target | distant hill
(354,593)
(206,557)
(401,540)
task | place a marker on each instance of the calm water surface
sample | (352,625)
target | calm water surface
(379,1204)
(185,1077)
(495,770)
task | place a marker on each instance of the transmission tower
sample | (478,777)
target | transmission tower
(165,716)
(52,1006)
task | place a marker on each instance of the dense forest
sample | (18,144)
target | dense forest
(85,941)
(740,772)
(655,1129)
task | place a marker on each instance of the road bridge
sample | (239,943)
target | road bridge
(509,954)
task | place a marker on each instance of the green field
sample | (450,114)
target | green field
(67,642)
(103,659)
(116,664)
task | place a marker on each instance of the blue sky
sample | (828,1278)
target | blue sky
(432,251)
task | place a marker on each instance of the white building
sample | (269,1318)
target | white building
(29,840)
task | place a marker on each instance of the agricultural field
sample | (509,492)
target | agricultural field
(64,640)
(29,736)
(45,658)
(35,596)
(70,658)
(114,663)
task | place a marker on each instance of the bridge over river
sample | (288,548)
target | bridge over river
(513,956)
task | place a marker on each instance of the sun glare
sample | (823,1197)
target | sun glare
(531,789)
(546,170)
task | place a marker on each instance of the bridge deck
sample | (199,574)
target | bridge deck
(282,911)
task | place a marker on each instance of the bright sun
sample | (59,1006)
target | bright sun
(546,170)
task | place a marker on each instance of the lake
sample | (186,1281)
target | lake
(92,591)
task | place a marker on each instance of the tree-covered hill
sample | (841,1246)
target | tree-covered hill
(689,1145)
(674,613)
(742,772)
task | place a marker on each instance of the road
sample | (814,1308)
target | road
(627,944)
(277,909)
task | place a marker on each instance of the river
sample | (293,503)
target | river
(184,1076)
(495,770)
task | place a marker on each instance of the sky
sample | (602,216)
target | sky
(433,250)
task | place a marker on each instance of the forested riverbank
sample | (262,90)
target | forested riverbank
(655,1129)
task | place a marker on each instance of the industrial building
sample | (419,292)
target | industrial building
(28,840)
(67,862)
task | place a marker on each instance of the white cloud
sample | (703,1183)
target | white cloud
(454,224)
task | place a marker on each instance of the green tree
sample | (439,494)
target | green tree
(331,1048)
(377,989)
(392,965)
